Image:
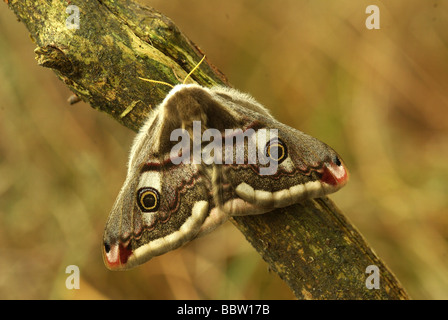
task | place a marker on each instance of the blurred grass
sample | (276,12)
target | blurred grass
(380,98)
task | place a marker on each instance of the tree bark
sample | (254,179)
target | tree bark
(310,245)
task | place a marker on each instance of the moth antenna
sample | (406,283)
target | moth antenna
(156,81)
(194,69)
(170,85)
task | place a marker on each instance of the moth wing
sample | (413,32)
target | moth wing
(161,205)
(281,166)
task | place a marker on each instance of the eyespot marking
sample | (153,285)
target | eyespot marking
(148,199)
(276,150)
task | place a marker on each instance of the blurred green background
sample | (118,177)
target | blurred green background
(378,97)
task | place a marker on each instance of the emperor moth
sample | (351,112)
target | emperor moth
(165,203)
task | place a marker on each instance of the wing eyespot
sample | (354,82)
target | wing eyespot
(148,199)
(276,150)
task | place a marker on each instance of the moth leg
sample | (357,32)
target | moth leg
(240,207)
(236,205)
(215,218)
(217,215)
(218,185)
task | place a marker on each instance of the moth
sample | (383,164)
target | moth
(170,196)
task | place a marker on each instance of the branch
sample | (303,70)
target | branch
(311,245)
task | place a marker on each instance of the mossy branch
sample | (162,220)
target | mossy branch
(311,245)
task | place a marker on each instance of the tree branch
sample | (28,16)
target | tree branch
(310,245)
